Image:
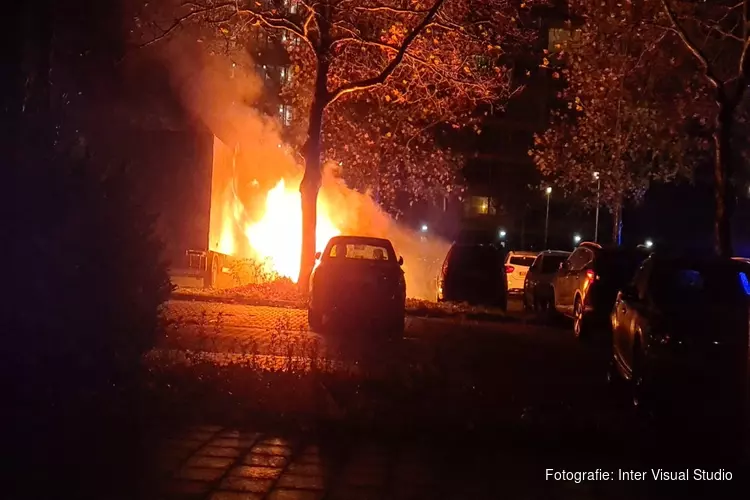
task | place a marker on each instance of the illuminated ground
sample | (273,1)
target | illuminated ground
(538,399)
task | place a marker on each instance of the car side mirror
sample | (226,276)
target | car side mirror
(318,255)
(400,260)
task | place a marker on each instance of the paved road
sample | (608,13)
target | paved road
(523,373)
(224,327)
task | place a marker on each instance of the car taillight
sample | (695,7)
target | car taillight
(509,269)
(591,276)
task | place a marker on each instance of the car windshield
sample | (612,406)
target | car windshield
(471,258)
(700,284)
(551,263)
(520,260)
(361,251)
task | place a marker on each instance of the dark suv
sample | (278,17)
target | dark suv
(586,286)
(475,274)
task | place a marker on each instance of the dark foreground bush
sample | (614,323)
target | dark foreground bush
(84,286)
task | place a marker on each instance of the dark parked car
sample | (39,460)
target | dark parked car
(537,288)
(358,277)
(474,274)
(586,286)
(681,328)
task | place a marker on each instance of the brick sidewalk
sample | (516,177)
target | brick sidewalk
(225,464)
(214,463)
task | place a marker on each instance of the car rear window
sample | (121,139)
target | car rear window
(619,264)
(522,261)
(357,251)
(551,263)
(474,258)
(706,284)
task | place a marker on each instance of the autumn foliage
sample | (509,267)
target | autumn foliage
(371,80)
(648,85)
(624,111)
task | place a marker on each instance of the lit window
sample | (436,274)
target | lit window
(481,205)
(285,114)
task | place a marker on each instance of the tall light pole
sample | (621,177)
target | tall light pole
(596,224)
(546,220)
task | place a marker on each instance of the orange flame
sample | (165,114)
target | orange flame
(277,237)
(265,225)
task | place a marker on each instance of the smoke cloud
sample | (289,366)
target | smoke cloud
(226,93)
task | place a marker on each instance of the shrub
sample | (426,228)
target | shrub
(86,280)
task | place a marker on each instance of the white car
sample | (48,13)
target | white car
(517,264)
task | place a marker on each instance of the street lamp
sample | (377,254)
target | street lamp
(649,243)
(502,233)
(546,219)
(424,228)
(596,224)
(576,238)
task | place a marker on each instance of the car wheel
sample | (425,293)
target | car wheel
(638,380)
(537,304)
(578,318)
(315,320)
(397,326)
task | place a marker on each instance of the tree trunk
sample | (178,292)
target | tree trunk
(723,172)
(311,181)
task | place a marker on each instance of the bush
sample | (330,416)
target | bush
(87,280)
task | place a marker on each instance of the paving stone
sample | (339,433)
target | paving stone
(264,449)
(232,443)
(276,441)
(301,482)
(284,494)
(235,495)
(305,469)
(181,488)
(245,484)
(183,444)
(255,472)
(208,428)
(264,460)
(209,462)
(200,474)
(197,436)
(218,451)
(229,433)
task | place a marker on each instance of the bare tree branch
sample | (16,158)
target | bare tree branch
(714,28)
(391,67)
(176,24)
(266,20)
(699,55)
(394,10)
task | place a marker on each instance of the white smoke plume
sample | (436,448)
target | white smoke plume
(225,93)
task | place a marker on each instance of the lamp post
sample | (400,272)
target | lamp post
(546,219)
(596,223)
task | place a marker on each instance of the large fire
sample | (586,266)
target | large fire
(277,237)
(257,215)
